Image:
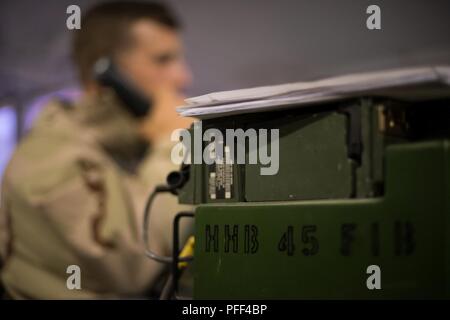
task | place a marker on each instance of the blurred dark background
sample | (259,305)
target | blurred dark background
(230,44)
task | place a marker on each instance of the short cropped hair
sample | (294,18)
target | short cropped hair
(105,30)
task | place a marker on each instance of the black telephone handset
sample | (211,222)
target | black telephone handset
(106,73)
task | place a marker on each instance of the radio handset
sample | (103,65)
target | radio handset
(107,74)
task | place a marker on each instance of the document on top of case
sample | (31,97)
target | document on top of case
(406,84)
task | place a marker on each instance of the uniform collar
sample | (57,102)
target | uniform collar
(105,120)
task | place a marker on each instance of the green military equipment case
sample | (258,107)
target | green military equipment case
(362,182)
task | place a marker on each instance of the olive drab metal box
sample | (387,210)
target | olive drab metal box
(363,187)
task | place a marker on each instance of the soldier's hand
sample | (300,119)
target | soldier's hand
(163,118)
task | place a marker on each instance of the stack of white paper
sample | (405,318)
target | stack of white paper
(406,84)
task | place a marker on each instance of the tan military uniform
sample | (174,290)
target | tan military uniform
(66,201)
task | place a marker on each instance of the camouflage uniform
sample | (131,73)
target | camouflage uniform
(66,200)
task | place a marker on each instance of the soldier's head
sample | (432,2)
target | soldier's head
(142,38)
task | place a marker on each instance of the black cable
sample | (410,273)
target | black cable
(149,253)
(167,291)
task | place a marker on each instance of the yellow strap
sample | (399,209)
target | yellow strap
(188,250)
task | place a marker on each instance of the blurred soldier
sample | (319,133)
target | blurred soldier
(75,189)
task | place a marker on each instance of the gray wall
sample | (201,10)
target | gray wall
(238,43)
